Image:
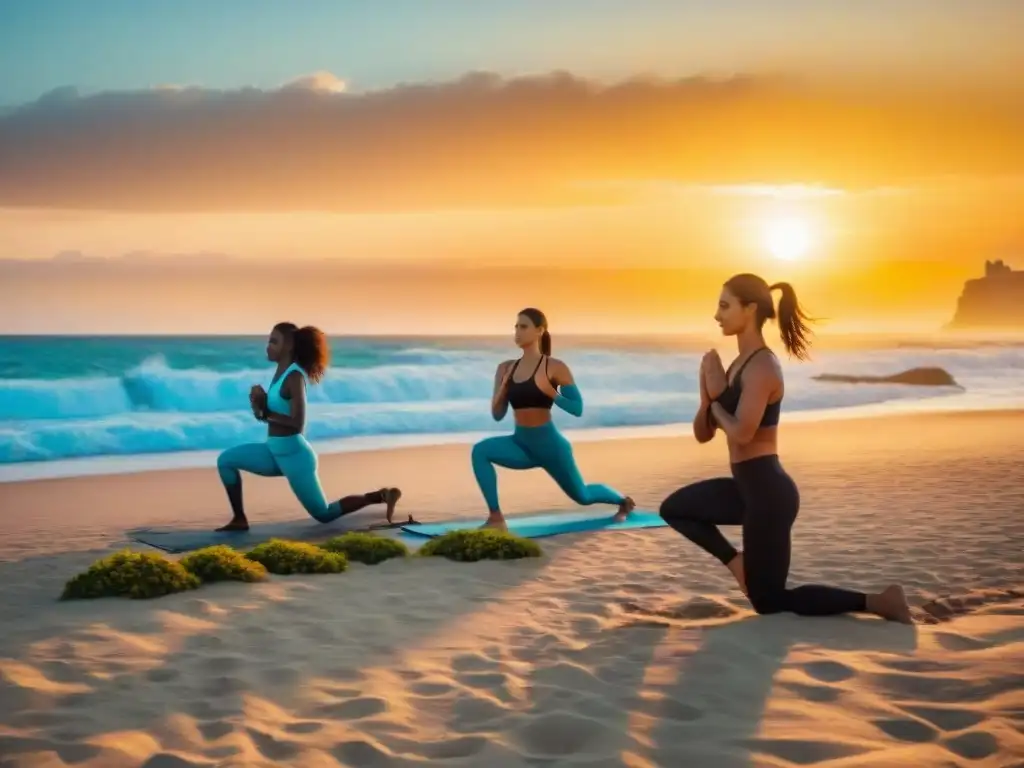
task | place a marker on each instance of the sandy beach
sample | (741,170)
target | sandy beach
(613,649)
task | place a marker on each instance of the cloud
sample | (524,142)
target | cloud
(321,81)
(483,140)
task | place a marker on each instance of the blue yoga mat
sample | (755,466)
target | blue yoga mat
(177,540)
(539,526)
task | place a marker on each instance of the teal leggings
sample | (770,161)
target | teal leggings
(530,447)
(291,456)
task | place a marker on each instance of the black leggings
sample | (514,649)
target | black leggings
(762,498)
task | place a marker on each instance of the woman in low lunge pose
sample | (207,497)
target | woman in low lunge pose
(301,354)
(759,496)
(531,385)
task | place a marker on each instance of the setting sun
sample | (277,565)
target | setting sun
(787,239)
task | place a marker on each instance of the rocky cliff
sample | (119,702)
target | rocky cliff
(993,301)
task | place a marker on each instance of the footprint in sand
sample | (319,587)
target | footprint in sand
(162,675)
(222,685)
(167,760)
(947,718)
(473,662)
(281,675)
(803,751)
(951,641)
(458,748)
(206,709)
(304,726)
(569,677)
(586,625)
(354,709)
(828,671)
(947,608)
(557,734)
(71,754)
(207,642)
(473,713)
(272,747)
(431,689)
(922,666)
(696,609)
(907,729)
(217,729)
(673,709)
(976,745)
(361,753)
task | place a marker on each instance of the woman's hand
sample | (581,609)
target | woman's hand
(258,401)
(545,385)
(501,390)
(705,398)
(712,375)
(506,379)
(499,400)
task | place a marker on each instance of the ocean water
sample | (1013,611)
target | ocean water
(67,403)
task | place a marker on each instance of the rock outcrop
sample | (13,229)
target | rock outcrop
(993,301)
(920,377)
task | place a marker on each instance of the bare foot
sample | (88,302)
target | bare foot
(735,567)
(496,521)
(236,524)
(391,497)
(891,604)
(627,506)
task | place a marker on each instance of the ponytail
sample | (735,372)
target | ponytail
(545,343)
(792,320)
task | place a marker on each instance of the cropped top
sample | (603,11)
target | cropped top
(275,402)
(730,398)
(526,394)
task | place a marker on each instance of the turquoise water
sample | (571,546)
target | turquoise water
(64,398)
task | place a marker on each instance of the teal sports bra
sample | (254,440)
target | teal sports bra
(275,402)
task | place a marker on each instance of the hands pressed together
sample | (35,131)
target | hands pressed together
(713,379)
(258,401)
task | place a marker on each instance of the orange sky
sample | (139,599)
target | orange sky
(446,208)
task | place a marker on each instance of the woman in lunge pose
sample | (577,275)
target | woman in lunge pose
(301,355)
(759,495)
(531,385)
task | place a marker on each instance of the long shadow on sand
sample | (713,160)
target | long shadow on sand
(709,686)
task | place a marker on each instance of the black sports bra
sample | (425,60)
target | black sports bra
(526,394)
(730,398)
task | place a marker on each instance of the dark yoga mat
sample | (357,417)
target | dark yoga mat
(177,540)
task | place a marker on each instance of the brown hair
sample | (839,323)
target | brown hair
(538,319)
(310,350)
(792,320)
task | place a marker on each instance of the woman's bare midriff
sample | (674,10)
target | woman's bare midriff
(765,443)
(279,430)
(532,417)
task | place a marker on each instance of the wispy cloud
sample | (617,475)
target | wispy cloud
(485,141)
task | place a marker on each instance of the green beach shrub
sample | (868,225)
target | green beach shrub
(288,557)
(480,544)
(222,563)
(366,548)
(138,575)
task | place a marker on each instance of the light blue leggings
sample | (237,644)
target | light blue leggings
(530,447)
(291,456)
